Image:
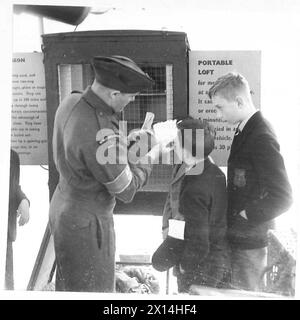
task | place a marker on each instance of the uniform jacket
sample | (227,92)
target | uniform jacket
(76,141)
(16,195)
(257,183)
(82,206)
(202,203)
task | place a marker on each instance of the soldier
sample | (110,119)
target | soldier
(258,186)
(81,209)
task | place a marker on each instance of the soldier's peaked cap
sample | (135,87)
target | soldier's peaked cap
(121,73)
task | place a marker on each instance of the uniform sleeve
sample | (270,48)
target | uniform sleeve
(108,163)
(276,195)
(194,206)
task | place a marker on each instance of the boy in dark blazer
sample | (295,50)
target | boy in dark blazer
(196,201)
(258,186)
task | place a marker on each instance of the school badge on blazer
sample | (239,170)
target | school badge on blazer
(239,178)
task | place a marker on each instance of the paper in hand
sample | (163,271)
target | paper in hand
(165,132)
(148,121)
(131,139)
(176,229)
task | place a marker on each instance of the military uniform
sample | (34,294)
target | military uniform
(81,209)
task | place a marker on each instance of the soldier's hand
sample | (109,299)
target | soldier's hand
(23,212)
(139,134)
(166,148)
(141,143)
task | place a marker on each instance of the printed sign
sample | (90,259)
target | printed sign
(205,67)
(28,114)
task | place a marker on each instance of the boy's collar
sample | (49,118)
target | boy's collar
(197,162)
(243,122)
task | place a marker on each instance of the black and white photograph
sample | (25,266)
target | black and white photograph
(150,149)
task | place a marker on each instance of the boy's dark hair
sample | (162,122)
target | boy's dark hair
(194,124)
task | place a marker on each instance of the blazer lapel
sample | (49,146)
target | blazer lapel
(237,142)
(183,169)
(180,172)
